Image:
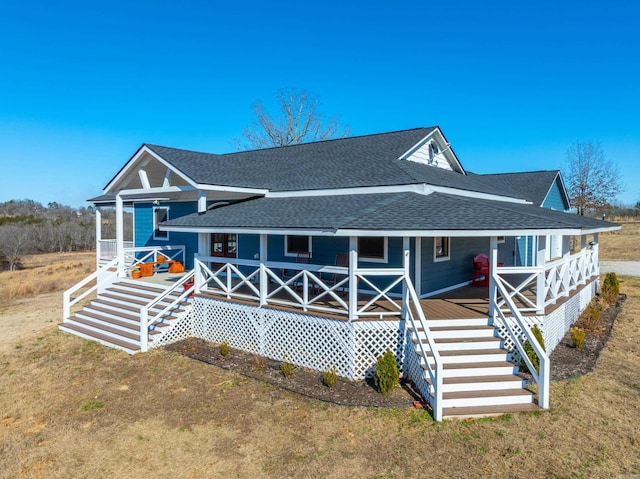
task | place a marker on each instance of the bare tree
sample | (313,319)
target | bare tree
(14,244)
(592,180)
(299,121)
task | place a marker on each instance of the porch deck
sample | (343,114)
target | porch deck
(466,302)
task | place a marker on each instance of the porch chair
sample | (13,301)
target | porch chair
(342,259)
(286,274)
(480,270)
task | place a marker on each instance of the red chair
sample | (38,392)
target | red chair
(480,270)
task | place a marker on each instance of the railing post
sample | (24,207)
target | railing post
(543,385)
(66,306)
(144,329)
(405,264)
(264,280)
(540,283)
(353,280)
(493,265)
(98,236)
(120,235)
(197,275)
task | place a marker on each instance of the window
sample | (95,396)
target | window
(160,214)
(441,250)
(373,248)
(295,243)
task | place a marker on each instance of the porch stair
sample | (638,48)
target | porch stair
(479,377)
(113,318)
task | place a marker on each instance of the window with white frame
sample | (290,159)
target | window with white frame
(373,249)
(441,248)
(295,243)
(160,214)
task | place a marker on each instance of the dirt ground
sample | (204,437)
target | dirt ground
(72,408)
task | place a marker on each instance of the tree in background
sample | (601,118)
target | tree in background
(592,180)
(298,121)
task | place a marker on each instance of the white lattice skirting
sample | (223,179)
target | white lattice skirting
(556,324)
(309,341)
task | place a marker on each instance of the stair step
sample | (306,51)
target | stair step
(117,343)
(470,355)
(482,368)
(105,329)
(119,323)
(118,314)
(484,411)
(443,344)
(478,383)
(486,397)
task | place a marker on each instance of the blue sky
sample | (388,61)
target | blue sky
(511,84)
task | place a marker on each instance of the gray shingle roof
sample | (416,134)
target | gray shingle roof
(342,163)
(389,212)
(531,185)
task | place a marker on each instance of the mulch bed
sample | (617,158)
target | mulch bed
(566,362)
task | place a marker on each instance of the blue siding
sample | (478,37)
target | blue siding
(143,228)
(555,200)
(458,269)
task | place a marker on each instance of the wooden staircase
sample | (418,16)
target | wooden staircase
(113,318)
(479,378)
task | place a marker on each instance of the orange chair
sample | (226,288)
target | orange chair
(480,270)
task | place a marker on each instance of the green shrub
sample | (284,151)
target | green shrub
(224,349)
(577,337)
(286,367)
(330,377)
(531,354)
(610,288)
(386,377)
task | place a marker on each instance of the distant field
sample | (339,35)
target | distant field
(45,273)
(623,245)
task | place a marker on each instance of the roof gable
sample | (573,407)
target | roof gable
(533,186)
(434,150)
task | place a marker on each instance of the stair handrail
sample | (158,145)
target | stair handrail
(542,378)
(68,302)
(145,321)
(411,298)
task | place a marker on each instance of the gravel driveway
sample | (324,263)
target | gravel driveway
(629,268)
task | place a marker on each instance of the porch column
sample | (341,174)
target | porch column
(406,247)
(493,264)
(98,234)
(584,261)
(264,280)
(353,280)
(541,258)
(417,269)
(120,235)
(596,251)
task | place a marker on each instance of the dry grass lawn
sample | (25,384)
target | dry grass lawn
(622,245)
(72,408)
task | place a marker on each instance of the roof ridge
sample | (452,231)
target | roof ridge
(516,172)
(333,139)
(149,145)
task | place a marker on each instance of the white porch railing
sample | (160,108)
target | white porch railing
(107,248)
(103,277)
(534,288)
(147,321)
(309,287)
(418,322)
(149,254)
(512,325)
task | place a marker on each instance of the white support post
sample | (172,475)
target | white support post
(144,179)
(98,235)
(120,235)
(541,255)
(417,283)
(406,247)
(264,282)
(202,201)
(353,280)
(493,264)
(197,274)
(596,259)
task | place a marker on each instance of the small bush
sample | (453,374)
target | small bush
(386,377)
(330,377)
(91,405)
(286,367)
(590,317)
(224,349)
(577,337)
(531,354)
(610,288)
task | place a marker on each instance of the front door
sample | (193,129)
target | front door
(224,245)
